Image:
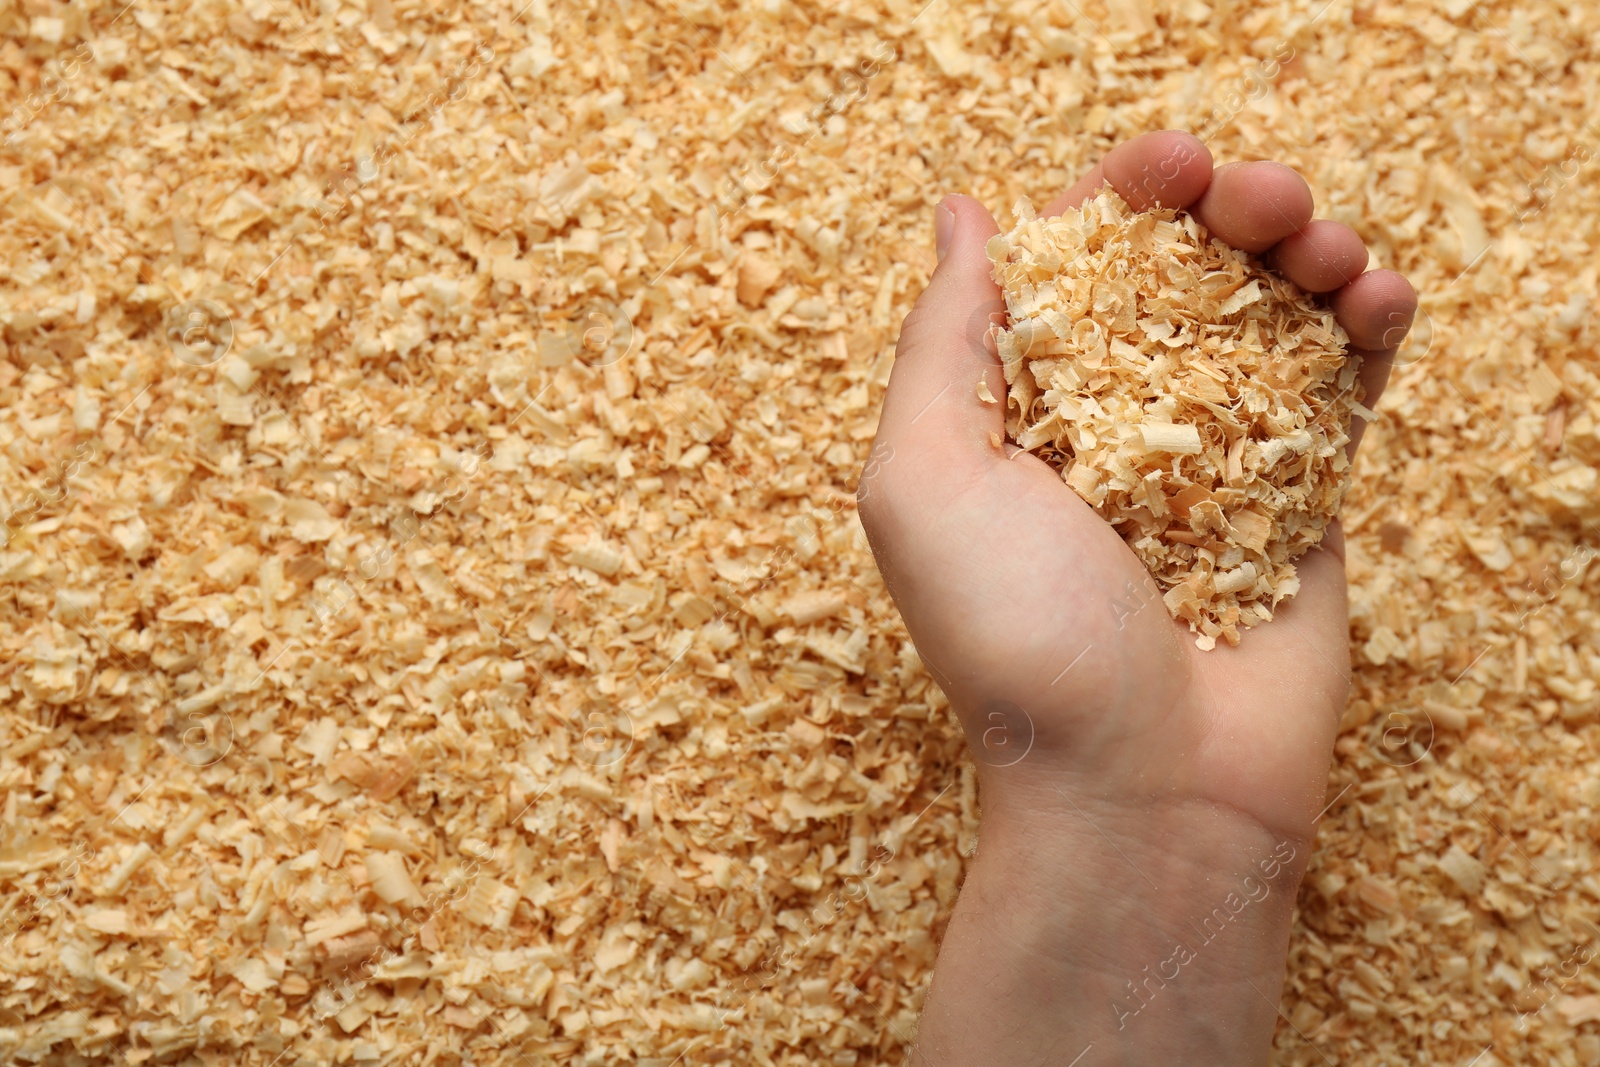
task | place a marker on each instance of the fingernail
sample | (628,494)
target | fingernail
(944,228)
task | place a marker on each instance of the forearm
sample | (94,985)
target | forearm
(1116,937)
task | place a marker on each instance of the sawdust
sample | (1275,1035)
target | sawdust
(1198,402)
(510,536)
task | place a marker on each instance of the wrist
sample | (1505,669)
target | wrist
(1153,935)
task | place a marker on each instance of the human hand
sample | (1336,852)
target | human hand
(1093,716)
(1029,609)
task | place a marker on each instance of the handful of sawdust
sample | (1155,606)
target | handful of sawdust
(1198,402)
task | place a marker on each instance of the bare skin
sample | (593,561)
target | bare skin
(1130,781)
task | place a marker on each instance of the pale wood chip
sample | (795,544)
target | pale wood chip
(1218,465)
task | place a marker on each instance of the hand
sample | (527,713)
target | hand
(1093,715)
(1022,600)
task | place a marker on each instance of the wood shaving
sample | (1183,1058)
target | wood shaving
(1198,402)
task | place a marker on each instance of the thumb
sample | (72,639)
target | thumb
(933,417)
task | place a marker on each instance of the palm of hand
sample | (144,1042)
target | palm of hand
(1043,628)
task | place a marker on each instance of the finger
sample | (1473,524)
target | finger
(1166,168)
(1253,206)
(1375,368)
(932,412)
(1376,312)
(1374,374)
(1321,257)
(1376,309)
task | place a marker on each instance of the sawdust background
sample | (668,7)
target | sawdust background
(627,697)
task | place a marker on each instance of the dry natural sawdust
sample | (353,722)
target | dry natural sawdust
(584,636)
(1198,402)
